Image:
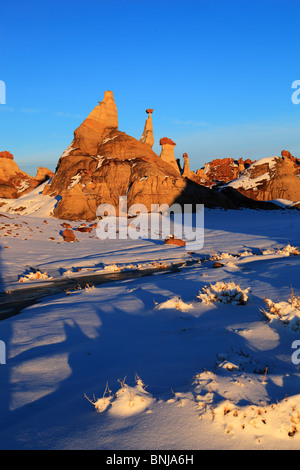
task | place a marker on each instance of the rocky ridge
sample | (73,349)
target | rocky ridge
(14,182)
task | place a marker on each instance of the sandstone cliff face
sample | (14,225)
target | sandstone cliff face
(271,178)
(95,126)
(13,181)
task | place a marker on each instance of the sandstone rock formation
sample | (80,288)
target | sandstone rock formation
(95,127)
(221,171)
(43,174)
(13,181)
(167,152)
(68,235)
(147,136)
(103,164)
(186,166)
(271,178)
(174,241)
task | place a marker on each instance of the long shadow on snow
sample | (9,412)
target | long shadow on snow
(165,348)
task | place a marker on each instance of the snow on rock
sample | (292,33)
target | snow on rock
(247,182)
(33,203)
(74,180)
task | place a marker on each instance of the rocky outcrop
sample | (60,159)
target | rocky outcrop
(68,235)
(124,166)
(13,181)
(6,154)
(271,178)
(221,171)
(99,168)
(103,164)
(43,174)
(147,136)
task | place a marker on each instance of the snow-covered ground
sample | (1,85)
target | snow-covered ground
(202,358)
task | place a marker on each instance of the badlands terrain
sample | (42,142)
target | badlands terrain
(138,343)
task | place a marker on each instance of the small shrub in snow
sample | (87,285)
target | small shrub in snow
(286,251)
(175,303)
(126,401)
(34,275)
(217,256)
(113,268)
(225,292)
(287,312)
(89,287)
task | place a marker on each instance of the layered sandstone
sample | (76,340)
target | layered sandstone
(94,128)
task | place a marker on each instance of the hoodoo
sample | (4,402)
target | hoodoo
(147,136)
(167,152)
(186,166)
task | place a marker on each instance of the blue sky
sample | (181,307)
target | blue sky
(218,74)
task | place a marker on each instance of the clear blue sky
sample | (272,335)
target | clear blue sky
(217,73)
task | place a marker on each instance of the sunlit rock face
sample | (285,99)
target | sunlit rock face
(271,178)
(147,136)
(103,164)
(14,182)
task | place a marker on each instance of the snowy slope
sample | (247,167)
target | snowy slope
(146,363)
(246,182)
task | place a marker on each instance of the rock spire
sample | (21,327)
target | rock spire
(147,136)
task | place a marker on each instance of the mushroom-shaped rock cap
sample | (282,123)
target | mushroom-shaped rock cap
(166,140)
(185,155)
(149,111)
